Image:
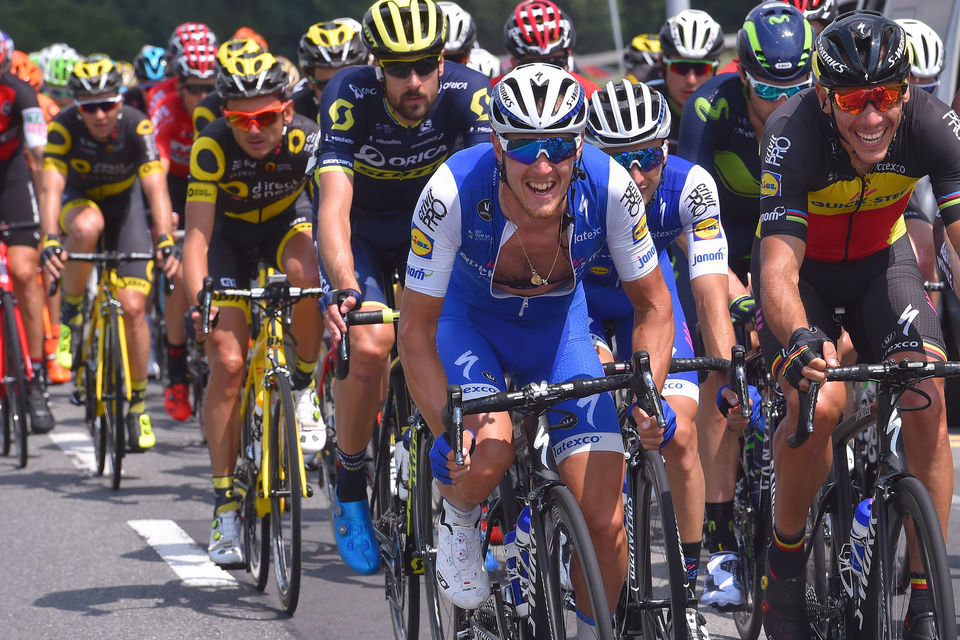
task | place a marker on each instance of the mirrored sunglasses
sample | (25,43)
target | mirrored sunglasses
(262,117)
(402,69)
(92,106)
(527,150)
(647,159)
(699,67)
(883,97)
(772,92)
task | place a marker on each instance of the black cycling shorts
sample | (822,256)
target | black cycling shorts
(886,309)
(18,202)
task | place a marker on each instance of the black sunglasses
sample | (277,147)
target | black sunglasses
(421,66)
(318,84)
(199,89)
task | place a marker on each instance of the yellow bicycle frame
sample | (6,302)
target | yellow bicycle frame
(106,297)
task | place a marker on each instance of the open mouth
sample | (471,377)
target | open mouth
(871,139)
(541,189)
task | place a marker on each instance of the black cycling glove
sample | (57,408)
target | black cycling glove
(806,344)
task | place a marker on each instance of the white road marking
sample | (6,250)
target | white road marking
(79,448)
(187,558)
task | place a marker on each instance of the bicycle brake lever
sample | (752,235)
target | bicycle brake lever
(738,378)
(455,428)
(808,405)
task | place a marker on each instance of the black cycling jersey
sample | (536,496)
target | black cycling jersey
(810,190)
(102,169)
(251,190)
(391,162)
(305,102)
(209,109)
(717,135)
(661,85)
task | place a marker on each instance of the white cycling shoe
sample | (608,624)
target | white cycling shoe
(722,588)
(313,429)
(225,546)
(461,574)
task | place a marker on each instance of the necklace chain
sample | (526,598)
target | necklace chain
(536,278)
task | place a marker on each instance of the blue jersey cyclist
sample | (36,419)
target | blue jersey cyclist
(632,122)
(386,128)
(501,240)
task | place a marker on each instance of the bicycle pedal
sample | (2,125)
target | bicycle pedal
(309,491)
(75,398)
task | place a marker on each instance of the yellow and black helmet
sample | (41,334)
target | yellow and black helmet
(404,29)
(251,75)
(237,47)
(331,45)
(94,75)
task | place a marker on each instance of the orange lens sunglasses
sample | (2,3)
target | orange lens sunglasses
(263,117)
(884,97)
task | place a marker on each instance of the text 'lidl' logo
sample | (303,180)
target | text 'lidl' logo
(420,243)
(769,184)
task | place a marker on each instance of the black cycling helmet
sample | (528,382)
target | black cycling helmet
(251,75)
(94,75)
(404,29)
(775,42)
(861,49)
(331,45)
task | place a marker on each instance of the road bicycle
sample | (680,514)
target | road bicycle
(270,478)
(843,602)
(102,366)
(15,370)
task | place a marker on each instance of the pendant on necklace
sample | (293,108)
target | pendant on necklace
(536,278)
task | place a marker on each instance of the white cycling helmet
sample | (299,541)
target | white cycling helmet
(485,62)
(693,35)
(624,113)
(538,98)
(927,48)
(461,29)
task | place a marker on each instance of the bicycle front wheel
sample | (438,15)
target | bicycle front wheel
(15,382)
(114,395)
(285,493)
(910,507)
(256,528)
(563,545)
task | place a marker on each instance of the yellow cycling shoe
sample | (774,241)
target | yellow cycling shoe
(139,433)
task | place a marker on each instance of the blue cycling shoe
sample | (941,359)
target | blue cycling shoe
(356,540)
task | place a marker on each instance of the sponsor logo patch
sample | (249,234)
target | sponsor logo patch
(707,229)
(769,184)
(420,243)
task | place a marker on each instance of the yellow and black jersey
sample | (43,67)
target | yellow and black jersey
(242,187)
(102,169)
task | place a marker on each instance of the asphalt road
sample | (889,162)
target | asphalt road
(81,561)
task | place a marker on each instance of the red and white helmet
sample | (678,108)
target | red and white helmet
(538,28)
(198,60)
(187,33)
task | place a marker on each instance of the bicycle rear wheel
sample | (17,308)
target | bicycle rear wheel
(286,493)
(910,501)
(15,379)
(752,528)
(256,528)
(114,395)
(562,543)
(656,588)
(96,421)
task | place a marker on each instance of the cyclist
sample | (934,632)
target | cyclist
(186,34)
(819,13)
(539,31)
(461,32)
(325,48)
(246,202)
(194,70)
(386,130)
(149,68)
(485,62)
(211,107)
(23,134)
(631,123)
(57,62)
(504,228)
(99,156)
(27,70)
(642,58)
(831,234)
(690,46)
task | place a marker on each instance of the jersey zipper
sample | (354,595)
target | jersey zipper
(524,305)
(846,246)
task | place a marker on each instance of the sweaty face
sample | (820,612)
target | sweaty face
(412,97)
(101,122)
(257,142)
(539,188)
(867,135)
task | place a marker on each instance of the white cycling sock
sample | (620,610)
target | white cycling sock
(459,517)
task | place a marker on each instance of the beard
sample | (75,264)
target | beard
(414,111)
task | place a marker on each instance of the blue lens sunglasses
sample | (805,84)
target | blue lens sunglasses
(647,159)
(772,92)
(527,150)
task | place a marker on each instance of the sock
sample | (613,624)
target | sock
(454,515)
(224,498)
(303,374)
(785,555)
(37,366)
(691,558)
(177,363)
(70,312)
(351,477)
(920,601)
(720,527)
(138,396)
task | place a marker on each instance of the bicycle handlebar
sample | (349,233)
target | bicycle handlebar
(276,291)
(901,373)
(378,316)
(101,257)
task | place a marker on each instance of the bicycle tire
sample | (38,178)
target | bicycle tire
(752,527)
(256,528)
(96,421)
(16,377)
(910,499)
(402,582)
(285,494)
(658,572)
(114,394)
(5,432)
(560,533)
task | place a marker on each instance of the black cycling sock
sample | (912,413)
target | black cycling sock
(302,376)
(785,555)
(720,527)
(224,497)
(691,558)
(177,363)
(920,600)
(351,477)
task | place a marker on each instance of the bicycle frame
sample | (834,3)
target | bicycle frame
(6,284)
(105,300)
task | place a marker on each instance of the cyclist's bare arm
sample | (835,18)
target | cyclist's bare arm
(417,343)
(197,233)
(652,321)
(333,238)
(161,210)
(53,183)
(35,158)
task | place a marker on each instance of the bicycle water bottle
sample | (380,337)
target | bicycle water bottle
(401,461)
(858,535)
(518,560)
